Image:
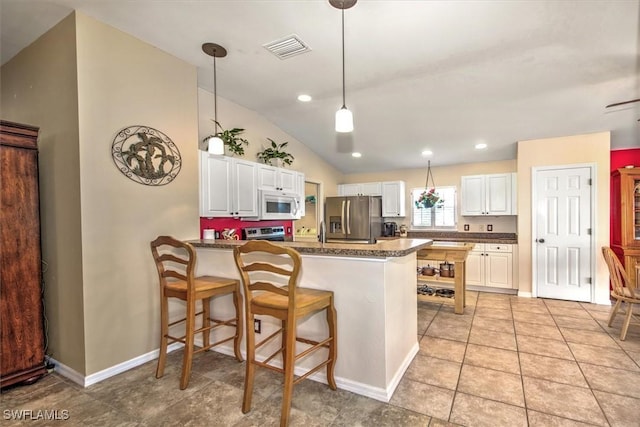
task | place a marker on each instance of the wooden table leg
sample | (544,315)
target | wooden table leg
(464,284)
(459,290)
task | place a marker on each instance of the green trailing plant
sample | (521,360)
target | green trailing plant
(231,139)
(275,151)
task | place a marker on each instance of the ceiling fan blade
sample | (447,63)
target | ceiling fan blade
(622,103)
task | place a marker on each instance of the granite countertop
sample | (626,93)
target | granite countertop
(381,249)
(457,236)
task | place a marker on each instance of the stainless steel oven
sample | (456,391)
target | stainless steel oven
(274,234)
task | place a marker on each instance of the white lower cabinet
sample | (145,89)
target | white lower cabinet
(490,265)
(228,187)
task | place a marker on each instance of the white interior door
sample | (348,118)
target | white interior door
(562,234)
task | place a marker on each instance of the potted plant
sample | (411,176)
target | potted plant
(231,139)
(275,153)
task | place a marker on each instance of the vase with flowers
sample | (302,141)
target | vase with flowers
(429,198)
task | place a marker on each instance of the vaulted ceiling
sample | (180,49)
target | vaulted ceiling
(420,75)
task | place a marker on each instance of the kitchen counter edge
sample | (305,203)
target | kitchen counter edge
(382,249)
(471,237)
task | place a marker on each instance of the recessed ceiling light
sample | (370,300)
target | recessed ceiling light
(481,146)
(304,98)
(356,154)
(427,153)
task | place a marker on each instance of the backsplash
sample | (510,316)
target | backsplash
(219,224)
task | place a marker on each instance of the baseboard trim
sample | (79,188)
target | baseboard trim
(606,301)
(86,381)
(377,393)
(391,388)
(525,294)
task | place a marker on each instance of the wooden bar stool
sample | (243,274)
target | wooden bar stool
(269,276)
(176,261)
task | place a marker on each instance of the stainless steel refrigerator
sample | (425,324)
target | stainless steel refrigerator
(353,219)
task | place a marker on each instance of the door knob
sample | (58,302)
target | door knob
(540,240)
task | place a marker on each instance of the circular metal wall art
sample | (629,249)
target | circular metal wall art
(146,155)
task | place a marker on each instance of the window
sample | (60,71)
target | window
(443,216)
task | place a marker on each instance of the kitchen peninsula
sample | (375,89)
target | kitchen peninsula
(375,298)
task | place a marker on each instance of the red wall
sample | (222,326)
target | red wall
(219,224)
(620,159)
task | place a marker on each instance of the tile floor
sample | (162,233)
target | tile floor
(507,361)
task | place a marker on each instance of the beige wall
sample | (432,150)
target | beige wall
(445,176)
(102,299)
(122,82)
(39,87)
(257,129)
(581,149)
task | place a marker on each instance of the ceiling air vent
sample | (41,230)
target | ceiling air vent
(287,47)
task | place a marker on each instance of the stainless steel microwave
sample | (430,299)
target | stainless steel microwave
(278,205)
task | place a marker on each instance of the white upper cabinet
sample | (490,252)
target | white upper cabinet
(360,189)
(488,194)
(393,199)
(392,192)
(228,187)
(277,179)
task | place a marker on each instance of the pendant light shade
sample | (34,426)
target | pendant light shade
(344,120)
(215,145)
(344,117)
(214,142)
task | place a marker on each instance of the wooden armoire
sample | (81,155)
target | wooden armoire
(22,343)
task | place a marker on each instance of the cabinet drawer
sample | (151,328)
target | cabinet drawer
(498,247)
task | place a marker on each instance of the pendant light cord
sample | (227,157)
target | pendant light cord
(215,95)
(344,101)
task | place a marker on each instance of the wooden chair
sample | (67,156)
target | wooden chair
(622,291)
(175,261)
(269,276)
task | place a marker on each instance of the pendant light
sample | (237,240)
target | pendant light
(344,117)
(214,142)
